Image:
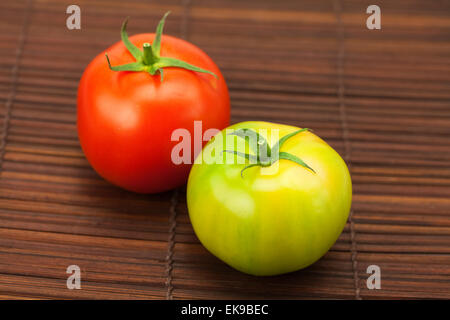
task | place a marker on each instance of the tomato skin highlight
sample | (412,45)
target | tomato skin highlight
(270,224)
(125,120)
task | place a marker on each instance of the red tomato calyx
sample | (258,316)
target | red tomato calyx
(149,59)
(265,156)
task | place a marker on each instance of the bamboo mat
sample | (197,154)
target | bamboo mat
(380,98)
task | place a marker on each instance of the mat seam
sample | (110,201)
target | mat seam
(14,78)
(174,198)
(345,135)
(171,243)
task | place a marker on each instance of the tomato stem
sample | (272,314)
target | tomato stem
(265,156)
(149,59)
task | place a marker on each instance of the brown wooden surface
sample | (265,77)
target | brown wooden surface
(381,98)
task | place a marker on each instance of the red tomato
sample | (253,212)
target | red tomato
(126,118)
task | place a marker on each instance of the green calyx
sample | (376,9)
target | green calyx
(149,59)
(265,155)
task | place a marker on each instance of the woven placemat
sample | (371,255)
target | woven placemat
(381,98)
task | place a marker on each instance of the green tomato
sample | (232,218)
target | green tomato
(276,216)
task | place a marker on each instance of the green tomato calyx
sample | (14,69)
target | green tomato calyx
(149,59)
(265,156)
